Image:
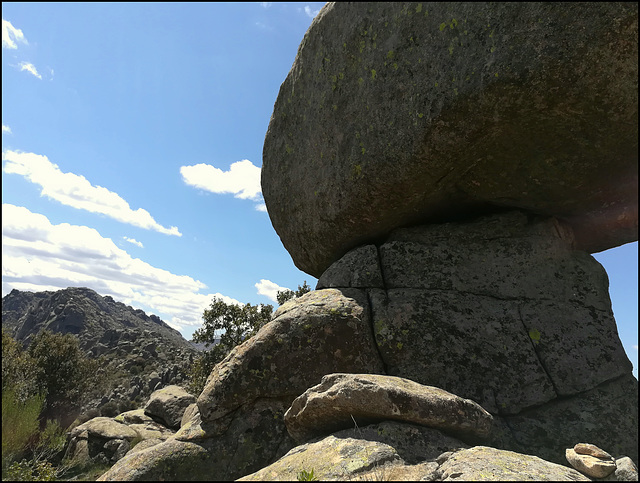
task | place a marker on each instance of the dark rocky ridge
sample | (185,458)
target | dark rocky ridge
(140,352)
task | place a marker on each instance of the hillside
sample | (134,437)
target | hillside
(138,352)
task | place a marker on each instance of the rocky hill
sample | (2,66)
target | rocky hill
(139,352)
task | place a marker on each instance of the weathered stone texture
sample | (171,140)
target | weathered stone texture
(342,400)
(403,113)
(322,332)
(168,405)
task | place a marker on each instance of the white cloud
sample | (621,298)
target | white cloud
(133,241)
(269,289)
(266,4)
(30,68)
(6,129)
(242,179)
(310,14)
(635,347)
(76,191)
(11,35)
(261,207)
(38,255)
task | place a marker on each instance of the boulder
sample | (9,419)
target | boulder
(100,440)
(386,449)
(396,114)
(482,463)
(589,465)
(342,400)
(626,470)
(240,443)
(160,462)
(168,405)
(322,332)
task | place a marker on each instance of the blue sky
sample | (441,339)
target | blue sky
(132,141)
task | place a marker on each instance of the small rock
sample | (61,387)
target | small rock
(626,470)
(592,450)
(590,465)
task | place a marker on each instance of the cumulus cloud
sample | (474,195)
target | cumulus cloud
(11,35)
(269,289)
(133,241)
(242,180)
(6,129)
(38,255)
(309,12)
(76,191)
(30,68)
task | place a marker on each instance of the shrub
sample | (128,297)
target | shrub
(109,410)
(19,425)
(31,471)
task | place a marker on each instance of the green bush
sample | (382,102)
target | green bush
(19,425)
(31,471)
(109,410)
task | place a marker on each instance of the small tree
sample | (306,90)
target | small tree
(64,372)
(225,326)
(285,295)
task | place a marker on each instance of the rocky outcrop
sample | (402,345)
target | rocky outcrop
(342,400)
(503,311)
(403,113)
(168,405)
(380,453)
(484,463)
(321,332)
(100,439)
(238,444)
(358,450)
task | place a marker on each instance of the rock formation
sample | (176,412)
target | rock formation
(342,400)
(445,170)
(406,113)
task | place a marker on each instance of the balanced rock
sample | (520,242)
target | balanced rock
(592,450)
(408,113)
(589,465)
(168,405)
(322,332)
(342,400)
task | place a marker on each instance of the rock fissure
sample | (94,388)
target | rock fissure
(533,343)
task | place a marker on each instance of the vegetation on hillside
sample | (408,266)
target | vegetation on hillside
(40,386)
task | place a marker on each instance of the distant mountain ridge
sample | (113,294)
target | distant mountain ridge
(139,352)
(75,310)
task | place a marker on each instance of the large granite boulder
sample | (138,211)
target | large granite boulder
(322,332)
(342,400)
(408,113)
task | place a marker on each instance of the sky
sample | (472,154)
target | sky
(132,139)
